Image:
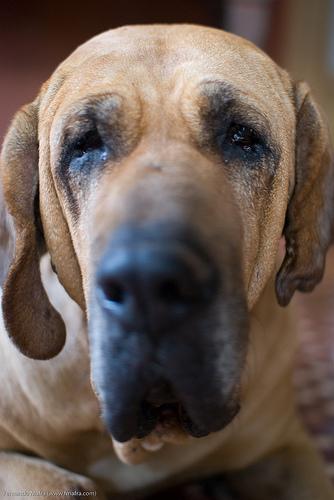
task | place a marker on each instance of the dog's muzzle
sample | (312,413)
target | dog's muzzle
(156,296)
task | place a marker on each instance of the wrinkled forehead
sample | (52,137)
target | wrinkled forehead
(165,62)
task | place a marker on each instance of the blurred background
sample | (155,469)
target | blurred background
(36,35)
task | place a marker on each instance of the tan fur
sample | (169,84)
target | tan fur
(48,407)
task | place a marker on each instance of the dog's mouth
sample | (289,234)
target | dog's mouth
(165,424)
(161,409)
(165,417)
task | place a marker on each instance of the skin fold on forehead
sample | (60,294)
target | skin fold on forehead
(166,64)
(137,55)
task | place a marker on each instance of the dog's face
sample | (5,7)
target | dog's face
(171,160)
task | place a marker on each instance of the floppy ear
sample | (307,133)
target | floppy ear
(32,323)
(310,215)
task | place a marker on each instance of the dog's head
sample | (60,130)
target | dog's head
(160,167)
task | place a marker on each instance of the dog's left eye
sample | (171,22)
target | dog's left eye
(243,137)
(87,149)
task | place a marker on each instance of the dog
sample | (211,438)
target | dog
(145,195)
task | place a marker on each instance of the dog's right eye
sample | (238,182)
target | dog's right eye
(87,150)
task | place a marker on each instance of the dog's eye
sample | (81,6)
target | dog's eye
(243,137)
(90,141)
(242,142)
(87,149)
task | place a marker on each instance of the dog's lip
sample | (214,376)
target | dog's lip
(168,430)
(163,418)
(173,427)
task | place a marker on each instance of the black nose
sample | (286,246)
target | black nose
(153,285)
